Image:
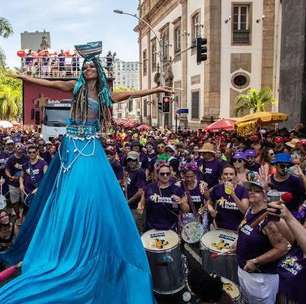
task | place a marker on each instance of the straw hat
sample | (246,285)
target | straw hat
(208,148)
(292,143)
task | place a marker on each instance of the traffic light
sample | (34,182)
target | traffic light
(201,49)
(166,104)
(160,105)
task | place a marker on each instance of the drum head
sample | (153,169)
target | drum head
(219,240)
(231,289)
(159,240)
(192,232)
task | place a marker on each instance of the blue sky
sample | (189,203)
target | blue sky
(72,22)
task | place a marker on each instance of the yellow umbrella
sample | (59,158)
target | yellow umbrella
(263,117)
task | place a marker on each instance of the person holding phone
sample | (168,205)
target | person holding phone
(260,245)
(292,268)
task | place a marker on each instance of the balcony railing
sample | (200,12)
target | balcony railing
(241,37)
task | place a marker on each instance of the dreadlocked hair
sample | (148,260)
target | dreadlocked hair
(80,92)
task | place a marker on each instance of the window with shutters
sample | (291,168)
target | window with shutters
(195,105)
(154,55)
(241,24)
(145,62)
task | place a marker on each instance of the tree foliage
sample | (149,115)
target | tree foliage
(10,96)
(254,101)
(5,31)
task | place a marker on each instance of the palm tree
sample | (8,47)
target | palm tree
(254,101)
(5,31)
(10,97)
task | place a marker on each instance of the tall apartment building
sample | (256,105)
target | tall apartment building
(243,52)
(35,40)
(126,74)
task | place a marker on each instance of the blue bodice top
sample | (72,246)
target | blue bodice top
(88,128)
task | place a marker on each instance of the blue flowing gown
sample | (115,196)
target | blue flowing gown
(79,243)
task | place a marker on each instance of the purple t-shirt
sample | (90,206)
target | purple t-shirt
(292,275)
(195,196)
(117,168)
(228,214)
(252,242)
(33,174)
(161,211)
(3,160)
(212,171)
(294,185)
(14,166)
(135,181)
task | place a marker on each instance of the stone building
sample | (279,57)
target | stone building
(243,52)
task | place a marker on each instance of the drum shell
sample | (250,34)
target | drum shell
(224,265)
(167,270)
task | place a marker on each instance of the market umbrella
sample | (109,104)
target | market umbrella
(263,117)
(221,124)
(143,127)
(5,124)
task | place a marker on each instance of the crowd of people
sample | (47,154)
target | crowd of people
(254,186)
(55,65)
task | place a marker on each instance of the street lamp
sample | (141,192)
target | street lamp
(160,43)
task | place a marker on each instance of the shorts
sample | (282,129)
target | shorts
(15,194)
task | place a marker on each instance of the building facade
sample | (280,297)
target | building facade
(243,52)
(126,77)
(35,40)
(292,93)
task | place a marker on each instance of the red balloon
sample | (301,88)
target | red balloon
(21,53)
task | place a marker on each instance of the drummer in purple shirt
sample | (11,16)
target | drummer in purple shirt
(228,201)
(163,201)
(259,247)
(292,268)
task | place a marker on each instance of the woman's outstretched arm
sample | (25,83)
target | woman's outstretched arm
(117,97)
(66,86)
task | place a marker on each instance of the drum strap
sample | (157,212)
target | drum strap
(260,216)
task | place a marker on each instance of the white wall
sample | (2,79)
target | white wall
(193,68)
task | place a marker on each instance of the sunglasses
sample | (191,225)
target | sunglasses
(238,160)
(283,166)
(31,152)
(164,173)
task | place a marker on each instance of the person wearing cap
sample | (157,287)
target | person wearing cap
(136,146)
(172,158)
(239,162)
(9,147)
(252,165)
(260,245)
(283,181)
(211,167)
(228,201)
(13,172)
(134,181)
(279,144)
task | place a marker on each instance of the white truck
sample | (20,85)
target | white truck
(55,116)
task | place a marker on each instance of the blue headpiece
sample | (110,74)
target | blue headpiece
(89,52)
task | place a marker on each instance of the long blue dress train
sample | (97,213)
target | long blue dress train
(79,243)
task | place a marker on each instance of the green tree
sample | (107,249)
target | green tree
(10,97)
(254,101)
(5,31)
